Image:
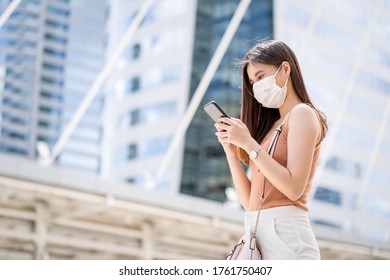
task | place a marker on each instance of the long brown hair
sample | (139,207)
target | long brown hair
(259,119)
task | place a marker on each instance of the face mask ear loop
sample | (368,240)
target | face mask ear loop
(277,70)
(285,84)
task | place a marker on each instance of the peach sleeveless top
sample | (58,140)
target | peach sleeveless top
(273,197)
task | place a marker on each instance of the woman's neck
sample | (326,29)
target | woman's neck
(291,101)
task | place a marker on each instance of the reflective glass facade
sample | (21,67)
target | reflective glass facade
(86,54)
(205,170)
(344,54)
(18,48)
(51,52)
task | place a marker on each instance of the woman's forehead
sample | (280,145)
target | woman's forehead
(255,67)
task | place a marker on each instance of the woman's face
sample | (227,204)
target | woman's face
(258,71)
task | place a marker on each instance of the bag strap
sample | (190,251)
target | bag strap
(271,151)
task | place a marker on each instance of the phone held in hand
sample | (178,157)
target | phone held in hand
(214,111)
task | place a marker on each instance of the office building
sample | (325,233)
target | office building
(51,52)
(149,91)
(205,171)
(344,54)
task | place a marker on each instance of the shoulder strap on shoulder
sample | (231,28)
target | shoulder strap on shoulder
(272,146)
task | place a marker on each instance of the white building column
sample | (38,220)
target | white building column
(40,231)
(147,241)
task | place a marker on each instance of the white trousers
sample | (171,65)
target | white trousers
(284,233)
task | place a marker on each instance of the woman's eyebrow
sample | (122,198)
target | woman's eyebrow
(258,72)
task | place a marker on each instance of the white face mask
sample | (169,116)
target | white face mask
(268,93)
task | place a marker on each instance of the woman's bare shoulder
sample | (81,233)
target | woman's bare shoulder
(302,115)
(302,108)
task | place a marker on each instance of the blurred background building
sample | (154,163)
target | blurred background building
(148,91)
(51,52)
(346,64)
(205,172)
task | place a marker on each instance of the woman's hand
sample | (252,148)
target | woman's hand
(233,132)
(229,148)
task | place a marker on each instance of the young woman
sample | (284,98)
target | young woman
(273,93)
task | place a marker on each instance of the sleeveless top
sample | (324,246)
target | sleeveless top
(272,196)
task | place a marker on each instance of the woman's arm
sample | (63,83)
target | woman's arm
(304,133)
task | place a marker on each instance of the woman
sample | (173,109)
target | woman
(273,93)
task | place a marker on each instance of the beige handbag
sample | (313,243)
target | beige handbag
(247,248)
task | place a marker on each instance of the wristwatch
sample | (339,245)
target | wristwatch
(254,153)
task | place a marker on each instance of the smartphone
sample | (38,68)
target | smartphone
(214,111)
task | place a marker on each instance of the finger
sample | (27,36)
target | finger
(227,121)
(223,140)
(221,134)
(237,120)
(221,127)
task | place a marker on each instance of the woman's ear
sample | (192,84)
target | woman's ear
(286,68)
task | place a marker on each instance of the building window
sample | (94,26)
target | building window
(52,96)
(53,67)
(57,25)
(9,102)
(132,151)
(343,166)
(55,38)
(136,180)
(14,150)
(52,81)
(53,52)
(327,195)
(214,151)
(48,125)
(153,113)
(332,163)
(50,110)
(18,120)
(14,135)
(134,117)
(134,85)
(47,139)
(136,51)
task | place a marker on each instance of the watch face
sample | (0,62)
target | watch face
(252,154)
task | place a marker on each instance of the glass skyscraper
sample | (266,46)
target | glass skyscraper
(205,170)
(344,54)
(51,52)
